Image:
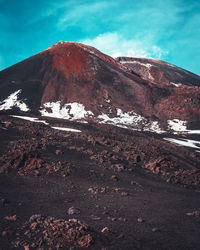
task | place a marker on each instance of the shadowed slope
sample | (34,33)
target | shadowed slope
(159,71)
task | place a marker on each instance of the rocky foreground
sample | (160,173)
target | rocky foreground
(102,188)
(70,76)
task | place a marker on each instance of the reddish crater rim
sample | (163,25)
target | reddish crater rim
(64,43)
(68,45)
(63,46)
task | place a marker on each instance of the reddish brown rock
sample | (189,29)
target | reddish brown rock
(53,233)
(105,230)
(11,218)
(140,220)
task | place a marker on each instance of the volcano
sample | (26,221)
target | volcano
(98,152)
(72,76)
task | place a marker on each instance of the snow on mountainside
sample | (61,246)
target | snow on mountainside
(77,112)
(77,82)
(71,111)
(12,101)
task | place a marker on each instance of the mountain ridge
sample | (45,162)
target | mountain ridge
(168,72)
(69,72)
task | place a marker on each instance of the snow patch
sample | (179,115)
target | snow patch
(176,84)
(147,65)
(109,110)
(184,142)
(177,125)
(67,129)
(70,111)
(12,101)
(84,122)
(154,127)
(32,119)
(180,127)
(107,100)
(130,120)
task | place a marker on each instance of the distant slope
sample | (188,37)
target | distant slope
(159,71)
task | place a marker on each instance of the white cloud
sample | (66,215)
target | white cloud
(116,45)
(81,13)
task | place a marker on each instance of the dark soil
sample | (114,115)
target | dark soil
(104,188)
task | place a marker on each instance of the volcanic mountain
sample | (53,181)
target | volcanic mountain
(69,179)
(75,81)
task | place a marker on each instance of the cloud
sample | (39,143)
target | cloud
(84,12)
(115,45)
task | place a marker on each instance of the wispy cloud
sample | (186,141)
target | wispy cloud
(116,45)
(84,12)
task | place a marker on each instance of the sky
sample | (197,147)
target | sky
(168,30)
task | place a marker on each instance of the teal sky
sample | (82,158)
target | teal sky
(168,30)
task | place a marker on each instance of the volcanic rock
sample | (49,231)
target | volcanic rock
(40,231)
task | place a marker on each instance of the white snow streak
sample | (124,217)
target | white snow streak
(32,119)
(12,101)
(146,65)
(184,142)
(176,84)
(193,132)
(67,129)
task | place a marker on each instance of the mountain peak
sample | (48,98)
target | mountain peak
(65,45)
(71,73)
(62,44)
(66,54)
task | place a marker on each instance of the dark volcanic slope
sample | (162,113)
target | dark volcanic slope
(72,72)
(183,97)
(132,190)
(159,71)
